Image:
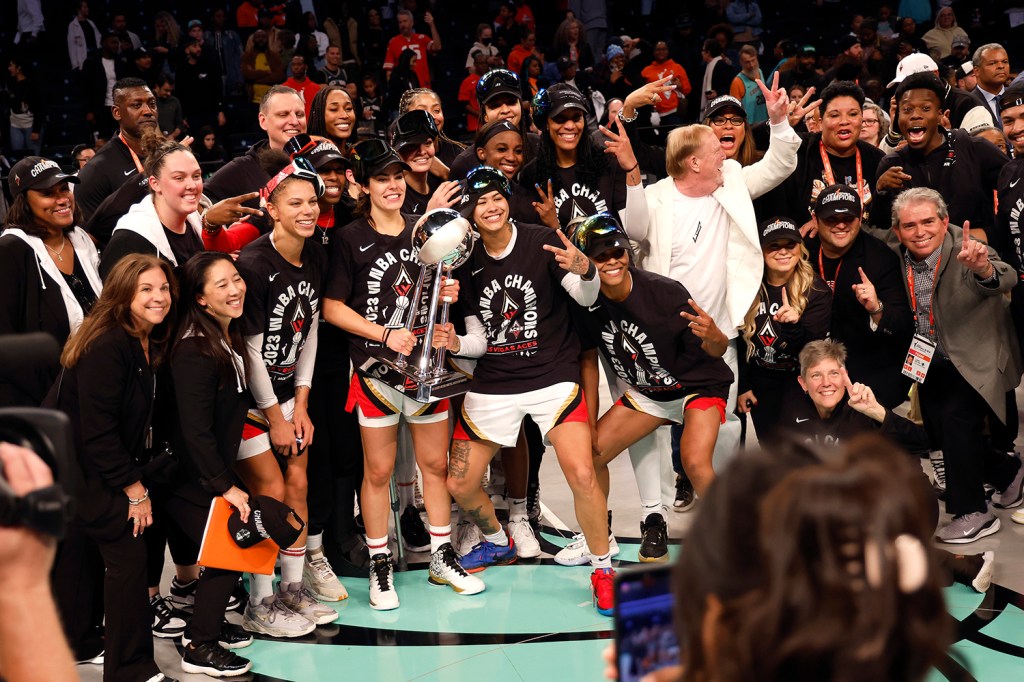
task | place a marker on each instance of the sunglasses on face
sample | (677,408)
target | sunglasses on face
(734,120)
(610,254)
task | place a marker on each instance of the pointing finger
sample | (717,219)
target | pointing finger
(785,298)
(863,278)
(697,308)
(846,380)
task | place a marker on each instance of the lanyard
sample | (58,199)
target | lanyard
(821,270)
(135,157)
(830,177)
(913,298)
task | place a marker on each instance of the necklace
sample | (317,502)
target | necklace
(57,252)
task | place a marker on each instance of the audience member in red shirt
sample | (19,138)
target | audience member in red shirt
(417,42)
(300,83)
(467,92)
(669,102)
(520,52)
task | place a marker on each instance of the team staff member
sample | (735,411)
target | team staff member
(518,324)
(135,111)
(283,272)
(793,307)
(207,366)
(107,391)
(1007,240)
(373,272)
(964,326)
(166,222)
(870,314)
(959,166)
(49,270)
(668,351)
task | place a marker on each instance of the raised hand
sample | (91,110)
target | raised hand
(865,292)
(618,145)
(569,258)
(798,110)
(862,398)
(446,195)
(974,254)
(893,178)
(546,206)
(647,95)
(776,100)
(809,229)
(786,314)
(231,210)
(713,341)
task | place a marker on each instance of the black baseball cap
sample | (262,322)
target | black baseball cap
(495,83)
(480,181)
(35,172)
(413,128)
(599,233)
(319,150)
(1012,97)
(268,520)
(564,63)
(779,228)
(722,103)
(370,157)
(837,200)
(561,98)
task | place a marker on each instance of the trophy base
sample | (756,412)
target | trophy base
(425,389)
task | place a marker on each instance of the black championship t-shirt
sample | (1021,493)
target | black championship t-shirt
(375,275)
(648,343)
(578,198)
(531,342)
(281,302)
(777,345)
(331,343)
(184,245)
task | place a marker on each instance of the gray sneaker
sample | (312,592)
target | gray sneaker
(301,601)
(1013,494)
(968,528)
(271,617)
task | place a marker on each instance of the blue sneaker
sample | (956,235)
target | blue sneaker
(486,554)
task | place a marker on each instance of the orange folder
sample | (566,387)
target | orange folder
(219,550)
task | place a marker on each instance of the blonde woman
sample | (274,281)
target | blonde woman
(792,307)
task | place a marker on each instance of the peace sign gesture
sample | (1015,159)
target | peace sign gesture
(570,258)
(545,208)
(786,314)
(974,254)
(713,341)
(776,99)
(798,110)
(865,293)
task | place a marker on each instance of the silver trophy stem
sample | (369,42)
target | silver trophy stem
(414,308)
(439,355)
(428,336)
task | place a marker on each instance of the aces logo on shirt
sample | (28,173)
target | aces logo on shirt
(509,312)
(288,327)
(635,359)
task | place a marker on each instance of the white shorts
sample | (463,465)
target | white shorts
(701,398)
(256,432)
(497,417)
(378,405)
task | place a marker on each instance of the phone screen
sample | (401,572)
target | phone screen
(645,638)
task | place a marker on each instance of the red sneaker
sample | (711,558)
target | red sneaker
(602,583)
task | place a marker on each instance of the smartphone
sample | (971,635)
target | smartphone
(645,637)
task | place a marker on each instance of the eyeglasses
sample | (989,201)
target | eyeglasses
(300,167)
(483,179)
(610,254)
(870,121)
(734,120)
(496,78)
(599,225)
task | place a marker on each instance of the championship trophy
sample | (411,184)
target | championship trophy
(442,240)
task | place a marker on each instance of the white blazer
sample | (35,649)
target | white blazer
(77,49)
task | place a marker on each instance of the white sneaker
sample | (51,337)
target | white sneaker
(302,602)
(319,578)
(521,532)
(466,536)
(576,553)
(1017,516)
(445,569)
(271,617)
(383,596)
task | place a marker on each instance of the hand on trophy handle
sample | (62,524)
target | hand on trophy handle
(449,291)
(400,340)
(444,336)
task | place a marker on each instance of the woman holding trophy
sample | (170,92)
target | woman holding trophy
(374,271)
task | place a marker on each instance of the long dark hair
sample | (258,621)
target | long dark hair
(315,123)
(591,162)
(20,215)
(197,324)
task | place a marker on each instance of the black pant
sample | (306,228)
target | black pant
(78,590)
(215,584)
(773,392)
(954,416)
(164,534)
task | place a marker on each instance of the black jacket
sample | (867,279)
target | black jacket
(874,357)
(102,176)
(104,219)
(801,419)
(211,403)
(241,175)
(108,397)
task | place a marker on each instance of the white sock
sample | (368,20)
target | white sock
(517,509)
(292,559)
(648,507)
(377,545)
(314,542)
(603,561)
(438,536)
(499,538)
(260,587)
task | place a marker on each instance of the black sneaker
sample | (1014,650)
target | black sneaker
(231,637)
(653,539)
(165,624)
(414,533)
(210,659)
(685,496)
(182,595)
(533,504)
(238,599)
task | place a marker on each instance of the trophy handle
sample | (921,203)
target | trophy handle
(413,308)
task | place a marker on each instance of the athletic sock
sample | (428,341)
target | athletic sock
(648,507)
(260,587)
(499,538)
(292,559)
(438,536)
(377,546)
(601,562)
(314,542)
(517,509)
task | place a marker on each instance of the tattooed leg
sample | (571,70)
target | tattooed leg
(467,462)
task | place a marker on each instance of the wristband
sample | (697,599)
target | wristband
(208,226)
(385,335)
(633,168)
(136,503)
